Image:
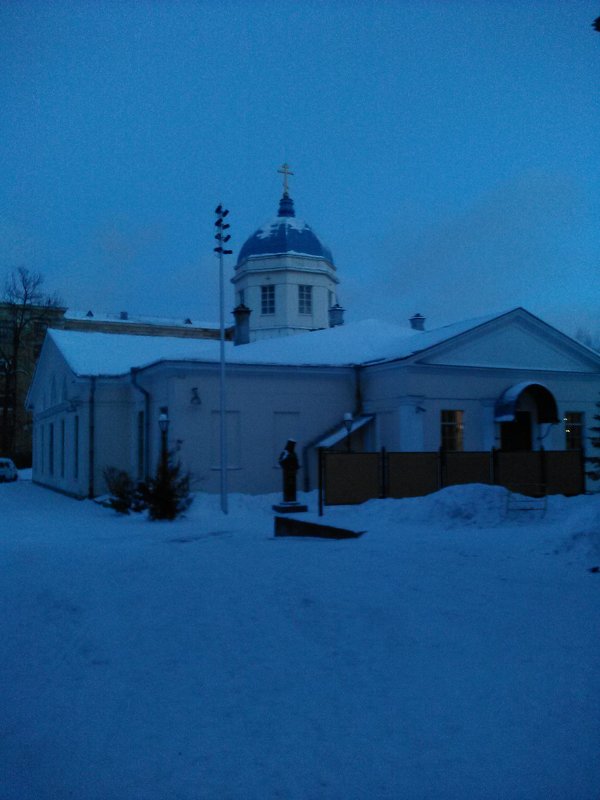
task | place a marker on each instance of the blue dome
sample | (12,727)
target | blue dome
(284,234)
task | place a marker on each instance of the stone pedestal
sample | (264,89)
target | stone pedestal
(289,507)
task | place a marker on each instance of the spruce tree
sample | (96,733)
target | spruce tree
(168,494)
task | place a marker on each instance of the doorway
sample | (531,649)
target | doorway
(516,435)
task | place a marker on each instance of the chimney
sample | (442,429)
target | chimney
(336,316)
(123,315)
(241,333)
(417,322)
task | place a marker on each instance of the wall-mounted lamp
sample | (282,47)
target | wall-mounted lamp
(195,397)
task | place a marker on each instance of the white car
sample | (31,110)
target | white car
(8,471)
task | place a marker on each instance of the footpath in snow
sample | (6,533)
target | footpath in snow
(449,653)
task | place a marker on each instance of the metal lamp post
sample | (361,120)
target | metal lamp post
(222,238)
(348,422)
(163,424)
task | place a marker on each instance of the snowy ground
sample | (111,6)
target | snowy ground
(448,653)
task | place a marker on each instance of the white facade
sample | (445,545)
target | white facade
(96,397)
(289,276)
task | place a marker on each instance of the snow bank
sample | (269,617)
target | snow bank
(578,520)
(204,659)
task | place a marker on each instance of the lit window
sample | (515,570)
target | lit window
(267,298)
(573,422)
(452,430)
(305,299)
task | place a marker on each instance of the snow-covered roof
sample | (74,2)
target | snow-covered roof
(133,319)
(110,354)
(342,432)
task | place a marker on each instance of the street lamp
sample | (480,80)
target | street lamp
(163,424)
(222,238)
(348,422)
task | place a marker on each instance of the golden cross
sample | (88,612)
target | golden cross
(285,171)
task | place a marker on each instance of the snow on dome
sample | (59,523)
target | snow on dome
(284,234)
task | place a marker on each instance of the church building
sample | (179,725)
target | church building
(506,381)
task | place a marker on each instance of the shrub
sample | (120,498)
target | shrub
(125,495)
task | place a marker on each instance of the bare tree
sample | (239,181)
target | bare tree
(25,311)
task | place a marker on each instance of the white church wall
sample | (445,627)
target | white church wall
(57,450)
(59,418)
(420,392)
(266,406)
(112,429)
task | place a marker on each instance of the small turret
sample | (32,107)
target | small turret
(241,333)
(417,322)
(336,316)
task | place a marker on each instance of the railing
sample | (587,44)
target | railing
(346,478)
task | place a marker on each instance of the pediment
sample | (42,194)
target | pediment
(50,368)
(515,342)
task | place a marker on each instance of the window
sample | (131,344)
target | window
(573,422)
(241,296)
(452,430)
(305,299)
(267,297)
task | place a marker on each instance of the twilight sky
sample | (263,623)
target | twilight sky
(447,152)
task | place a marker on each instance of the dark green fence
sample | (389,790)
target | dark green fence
(346,478)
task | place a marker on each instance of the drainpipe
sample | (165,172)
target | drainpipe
(92,427)
(146,395)
(358,397)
